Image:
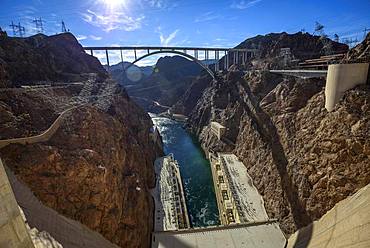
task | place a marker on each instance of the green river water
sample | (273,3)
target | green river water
(195,171)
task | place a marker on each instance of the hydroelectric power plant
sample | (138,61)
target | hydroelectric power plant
(181,124)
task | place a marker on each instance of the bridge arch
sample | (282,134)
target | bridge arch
(178,53)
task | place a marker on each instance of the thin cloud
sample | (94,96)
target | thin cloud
(244,4)
(209,16)
(159,4)
(156,3)
(166,41)
(220,39)
(80,37)
(93,37)
(113,21)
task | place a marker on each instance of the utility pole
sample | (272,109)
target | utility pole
(39,26)
(64,30)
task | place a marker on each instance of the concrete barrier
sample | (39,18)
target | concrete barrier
(342,77)
(347,224)
(13,230)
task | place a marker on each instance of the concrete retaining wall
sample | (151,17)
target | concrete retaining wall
(342,77)
(345,225)
(13,231)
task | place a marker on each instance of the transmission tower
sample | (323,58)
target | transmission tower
(39,26)
(18,29)
(351,42)
(14,27)
(21,30)
(64,30)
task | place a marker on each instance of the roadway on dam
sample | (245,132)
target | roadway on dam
(195,171)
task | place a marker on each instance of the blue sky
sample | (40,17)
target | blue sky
(219,23)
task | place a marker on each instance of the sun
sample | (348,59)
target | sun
(114,4)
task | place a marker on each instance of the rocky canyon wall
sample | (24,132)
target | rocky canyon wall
(98,166)
(303,160)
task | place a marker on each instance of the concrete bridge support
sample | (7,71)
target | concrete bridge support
(342,77)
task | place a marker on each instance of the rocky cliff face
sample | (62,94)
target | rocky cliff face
(98,166)
(302,159)
(168,81)
(191,96)
(301,46)
(44,58)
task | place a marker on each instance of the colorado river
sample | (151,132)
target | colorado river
(195,171)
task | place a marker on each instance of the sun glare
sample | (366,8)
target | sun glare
(114,4)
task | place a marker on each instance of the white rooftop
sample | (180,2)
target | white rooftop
(166,194)
(245,194)
(263,235)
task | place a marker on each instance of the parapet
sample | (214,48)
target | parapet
(342,77)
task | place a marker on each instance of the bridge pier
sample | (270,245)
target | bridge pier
(107,56)
(206,58)
(123,66)
(227,61)
(217,58)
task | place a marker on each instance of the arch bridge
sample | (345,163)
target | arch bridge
(231,56)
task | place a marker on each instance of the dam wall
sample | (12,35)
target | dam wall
(13,230)
(345,225)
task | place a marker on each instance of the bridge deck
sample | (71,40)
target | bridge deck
(169,48)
